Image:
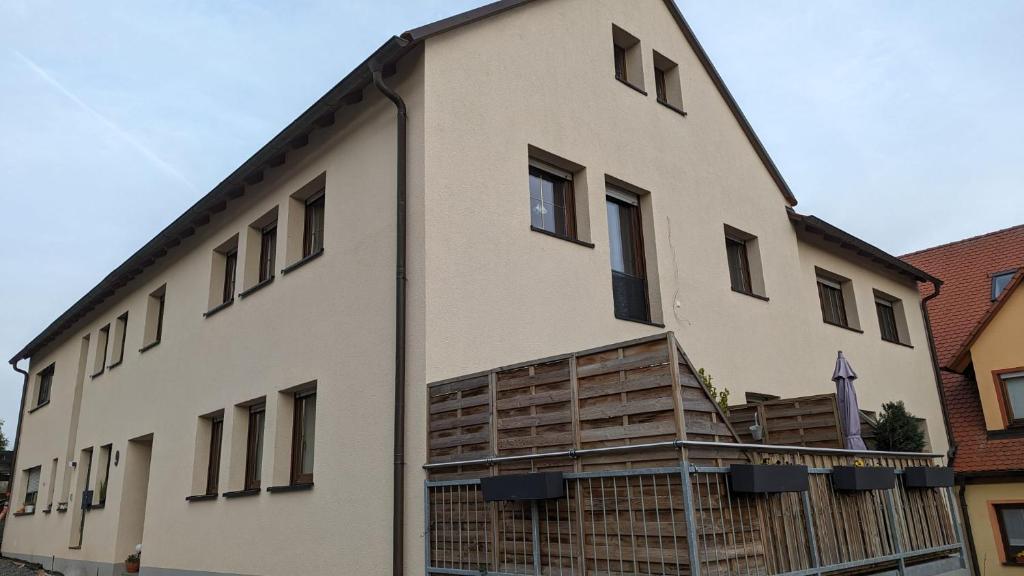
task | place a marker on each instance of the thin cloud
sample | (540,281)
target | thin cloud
(159,162)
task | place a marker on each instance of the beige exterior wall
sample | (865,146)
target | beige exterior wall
(1000,347)
(330,321)
(985,527)
(523,295)
(484,291)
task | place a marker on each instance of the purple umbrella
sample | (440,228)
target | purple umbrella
(849,412)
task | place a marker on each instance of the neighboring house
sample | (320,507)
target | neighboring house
(978,324)
(6,460)
(577,174)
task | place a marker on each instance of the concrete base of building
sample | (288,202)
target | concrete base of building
(71,567)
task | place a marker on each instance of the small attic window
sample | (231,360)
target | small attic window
(629,60)
(1000,281)
(667,83)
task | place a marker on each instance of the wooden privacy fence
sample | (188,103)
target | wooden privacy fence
(644,455)
(804,421)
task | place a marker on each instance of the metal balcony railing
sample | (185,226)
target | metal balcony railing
(685,520)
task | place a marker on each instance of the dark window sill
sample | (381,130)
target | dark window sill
(201,498)
(672,107)
(96,374)
(62,507)
(858,331)
(115,365)
(256,288)
(631,85)
(98,506)
(23,513)
(644,322)
(289,488)
(149,346)
(218,308)
(306,260)
(241,493)
(560,237)
(1015,430)
(74,547)
(898,343)
(38,406)
(751,294)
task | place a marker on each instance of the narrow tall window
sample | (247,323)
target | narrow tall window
(887,320)
(154,325)
(99,361)
(1011,528)
(660,85)
(268,252)
(833,307)
(303,438)
(104,480)
(628,58)
(625,242)
(552,203)
(32,485)
(230,274)
(161,299)
(254,447)
(213,466)
(739,265)
(120,331)
(53,484)
(313,230)
(1013,395)
(45,383)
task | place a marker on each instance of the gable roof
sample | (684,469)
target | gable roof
(961,359)
(967,267)
(321,115)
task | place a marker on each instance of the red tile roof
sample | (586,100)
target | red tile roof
(966,267)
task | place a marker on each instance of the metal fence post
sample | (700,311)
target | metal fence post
(812,535)
(535,517)
(691,520)
(426,524)
(897,533)
(957,528)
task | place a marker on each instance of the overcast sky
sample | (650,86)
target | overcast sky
(899,121)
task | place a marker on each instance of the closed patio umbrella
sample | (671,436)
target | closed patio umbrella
(849,411)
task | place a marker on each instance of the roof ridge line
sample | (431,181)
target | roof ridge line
(963,240)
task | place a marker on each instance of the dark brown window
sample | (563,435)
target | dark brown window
(739,265)
(1011,528)
(99,362)
(887,320)
(620,63)
(230,273)
(629,270)
(552,204)
(213,467)
(313,231)
(254,447)
(120,335)
(660,85)
(268,252)
(1013,396)
(45,384)
(833,307)
(303,438)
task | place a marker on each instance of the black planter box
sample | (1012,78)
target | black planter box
(767,478)
(520,487)
(928,477)
(857,478)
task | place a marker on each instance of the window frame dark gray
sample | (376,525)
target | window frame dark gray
(832,288)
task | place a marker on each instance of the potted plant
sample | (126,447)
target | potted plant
(30,508)
(133,563)
(1019,558)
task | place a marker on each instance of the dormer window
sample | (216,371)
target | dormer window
(1000,281)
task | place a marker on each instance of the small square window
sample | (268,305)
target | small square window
(892,319)
(552,201)
(628,58)
(1011,528)
(835,294)
(1000,282)
(1013,395)
(667,82)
